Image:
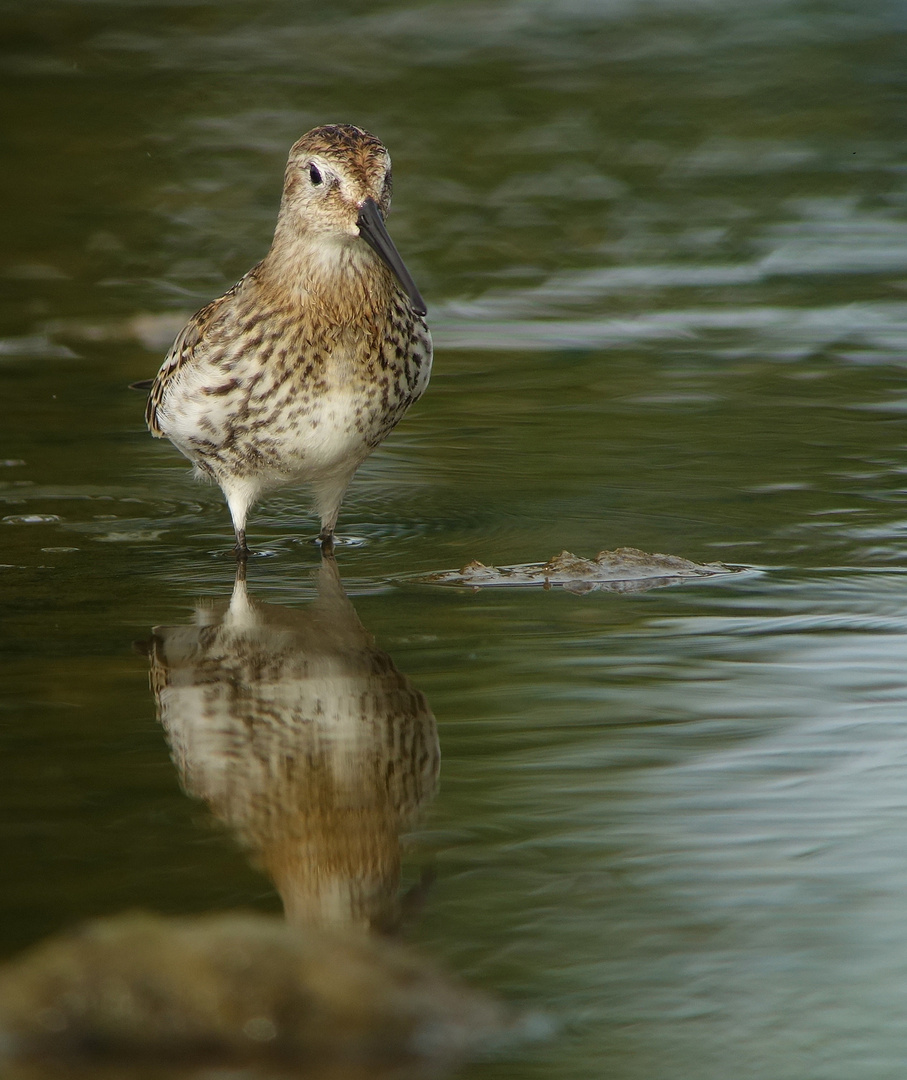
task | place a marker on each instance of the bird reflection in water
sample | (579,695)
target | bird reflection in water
(305,740)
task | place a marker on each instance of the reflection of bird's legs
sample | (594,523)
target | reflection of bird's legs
(330,585)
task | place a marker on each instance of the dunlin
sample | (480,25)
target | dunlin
(301,369)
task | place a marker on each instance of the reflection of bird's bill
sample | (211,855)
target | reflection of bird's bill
(373,232)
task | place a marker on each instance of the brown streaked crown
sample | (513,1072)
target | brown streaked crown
(352,151)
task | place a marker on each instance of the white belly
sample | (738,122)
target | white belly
(281,436)
(333,434)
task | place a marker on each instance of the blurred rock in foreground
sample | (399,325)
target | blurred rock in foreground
(235,990)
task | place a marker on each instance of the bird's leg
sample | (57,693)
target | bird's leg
(238,498)
(328,497)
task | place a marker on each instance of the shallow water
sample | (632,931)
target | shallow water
(664,249)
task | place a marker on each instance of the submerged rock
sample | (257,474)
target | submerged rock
(625,569)
(234,989)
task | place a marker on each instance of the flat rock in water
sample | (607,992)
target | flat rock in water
(235,990)
(625,569)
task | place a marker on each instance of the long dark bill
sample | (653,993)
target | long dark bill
(373,232)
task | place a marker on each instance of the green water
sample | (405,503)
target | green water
(664,249)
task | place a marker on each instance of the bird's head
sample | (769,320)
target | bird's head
(337,191)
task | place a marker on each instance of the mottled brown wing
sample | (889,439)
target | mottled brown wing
(183,349)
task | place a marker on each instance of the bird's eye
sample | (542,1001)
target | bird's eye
(315,176)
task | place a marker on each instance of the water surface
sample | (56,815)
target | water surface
(664,249)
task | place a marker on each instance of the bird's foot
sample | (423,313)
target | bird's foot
(241,548)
